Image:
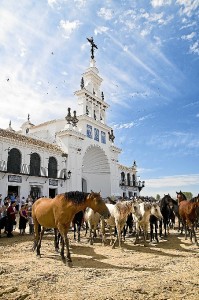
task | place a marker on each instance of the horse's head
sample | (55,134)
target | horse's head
(155,211)
(94,201)
(165,200)
(181,196)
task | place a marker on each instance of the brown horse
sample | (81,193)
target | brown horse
(188,214)
(181,196)
(59,212)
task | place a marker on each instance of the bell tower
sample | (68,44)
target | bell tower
(90,97)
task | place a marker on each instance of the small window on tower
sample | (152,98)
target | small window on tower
(89,131)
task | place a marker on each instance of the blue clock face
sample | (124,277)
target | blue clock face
(96,134)
(89,131)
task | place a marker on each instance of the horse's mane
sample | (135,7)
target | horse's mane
(76,197)
(174,201)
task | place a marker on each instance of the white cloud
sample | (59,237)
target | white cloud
(69,27)
(105,13)
(171,184)
(175,139)
(100,30)
(188,36)
(80,3)
(126,125)
(52,2)
(195,48)
(158,3)
(189,6)
(157,40)
(146,31)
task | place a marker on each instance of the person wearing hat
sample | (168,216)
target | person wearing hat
(11,218)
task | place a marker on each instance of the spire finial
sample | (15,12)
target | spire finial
(82,83)
(93,45)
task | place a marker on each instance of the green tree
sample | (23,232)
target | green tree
(189,195)
(157,197)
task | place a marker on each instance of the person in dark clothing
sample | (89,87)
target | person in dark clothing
(23,219)
(11,218)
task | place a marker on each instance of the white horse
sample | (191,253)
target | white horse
(142,218)
(118,216)
(93,220)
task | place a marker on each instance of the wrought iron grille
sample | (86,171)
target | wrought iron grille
(14,161)
(52,167)
(35,163)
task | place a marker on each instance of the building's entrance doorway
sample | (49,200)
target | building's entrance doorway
(13,189)
(96,172)
(35,192)
(52,193)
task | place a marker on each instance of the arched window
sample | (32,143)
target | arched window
(134,182)
(128,179)
(52,167)
(14,161)
(122,176)
(35,163)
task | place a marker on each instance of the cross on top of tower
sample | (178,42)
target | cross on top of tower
(93,45)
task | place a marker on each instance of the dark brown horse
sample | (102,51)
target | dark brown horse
(166,212)
(59,212)
(188,214)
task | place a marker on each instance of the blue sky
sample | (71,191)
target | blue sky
(148,57)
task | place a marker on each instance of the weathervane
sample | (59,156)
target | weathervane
(93,45)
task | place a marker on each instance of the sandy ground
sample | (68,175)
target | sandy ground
(168,270)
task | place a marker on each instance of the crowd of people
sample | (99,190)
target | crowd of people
(15,214)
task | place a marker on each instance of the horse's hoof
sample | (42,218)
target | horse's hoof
(70,264)
(38,256)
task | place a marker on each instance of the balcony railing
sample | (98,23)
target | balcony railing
(25,170)
(138,184)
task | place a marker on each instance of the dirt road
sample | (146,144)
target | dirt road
(168,270)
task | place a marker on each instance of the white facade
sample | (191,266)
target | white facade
(83,145)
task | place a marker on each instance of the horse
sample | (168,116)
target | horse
(118,217)
(180,197)
(174,213)
(77,223)
(144,214)
(166,212)
(92,220)
(59,212)
(188,212)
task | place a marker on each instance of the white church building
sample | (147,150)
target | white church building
(76,153)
